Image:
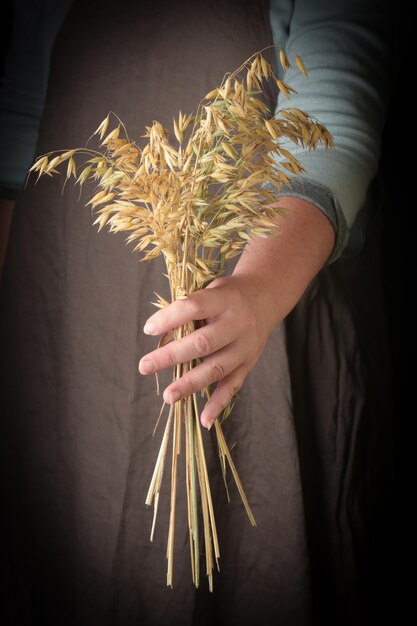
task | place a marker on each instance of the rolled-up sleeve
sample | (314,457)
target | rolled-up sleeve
(344,47)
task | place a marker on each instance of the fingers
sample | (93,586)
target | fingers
(229,344)
(211,370)
(200,305)
(222,396)
(200,343)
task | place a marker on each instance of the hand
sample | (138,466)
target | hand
(241,311)
(231,341)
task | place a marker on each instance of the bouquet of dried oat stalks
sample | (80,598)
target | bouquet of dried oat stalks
(196,199)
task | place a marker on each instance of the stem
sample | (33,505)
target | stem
(175,452)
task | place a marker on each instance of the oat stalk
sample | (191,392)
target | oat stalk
(196,199)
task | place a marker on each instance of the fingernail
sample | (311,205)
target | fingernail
(146,367)
(149,328)
(210,425)
(174,396)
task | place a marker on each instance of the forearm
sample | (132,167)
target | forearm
(6,214)
(280,267)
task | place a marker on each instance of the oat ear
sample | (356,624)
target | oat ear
(300,64)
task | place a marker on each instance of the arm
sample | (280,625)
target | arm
(342,46)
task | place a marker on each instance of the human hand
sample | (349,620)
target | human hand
(231,341)
(241,311)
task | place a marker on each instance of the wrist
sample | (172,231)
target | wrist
(280,267)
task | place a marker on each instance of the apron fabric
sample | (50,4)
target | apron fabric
(77,450)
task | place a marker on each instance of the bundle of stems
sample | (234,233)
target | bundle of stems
(196,200)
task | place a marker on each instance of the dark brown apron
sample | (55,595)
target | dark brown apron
(77,418)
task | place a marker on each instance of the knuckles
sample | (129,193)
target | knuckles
(240,308)
(169,358)
(194,305)
(190,386)
(202,344)
(216,372)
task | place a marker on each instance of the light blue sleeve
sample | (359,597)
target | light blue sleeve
(23,90)
(344,45)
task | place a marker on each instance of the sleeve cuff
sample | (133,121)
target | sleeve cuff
(326,201)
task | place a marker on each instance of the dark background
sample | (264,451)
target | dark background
(397,527)
(399,263)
